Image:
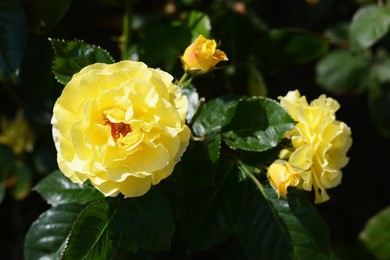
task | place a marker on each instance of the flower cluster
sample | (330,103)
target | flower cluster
(319,147)
(122,126)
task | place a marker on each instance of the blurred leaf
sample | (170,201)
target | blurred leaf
(57,189)
(207,154)
(341,71)
(256,83)
(375,235)
(44,15)
(24,177)
(209,214)
(89,236)
(338,34)
(166,53)
(47,236)
(147,221)
(7,159)
(272,228)
(369,24)
(198,23)
(193,101)
(284,47)
(258,124)
(301,46)
(379,104)
(13,37)
(213,116)
(72,56)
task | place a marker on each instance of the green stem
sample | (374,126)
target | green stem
(183,79)
(253,178)
(126,34)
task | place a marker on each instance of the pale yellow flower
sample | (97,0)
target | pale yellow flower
(320,142)
(17,134)
(202,56)
(282,175)
(122,126)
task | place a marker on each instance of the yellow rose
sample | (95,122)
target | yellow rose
(122,126)
(17,134)
(281,175)
(201,56)
(320,142)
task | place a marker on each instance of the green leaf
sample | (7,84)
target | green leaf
(193,101)
(299,45)
(44,15)
(258,124)
(375,236)
(72,56)
(57,189)
(341,71)
(256,83)
(89,237)
(147,221)
(13,38)
(378,104)
(46,237)
(24,177)
(212,116)
(369,24)
(209,213)
(272,228)
(7,159)
(205,166)
(199,23)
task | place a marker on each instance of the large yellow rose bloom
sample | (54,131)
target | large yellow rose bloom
(122,126)
(202,56)
(320,142)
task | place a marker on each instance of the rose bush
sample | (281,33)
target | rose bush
(122,126)
(320,142)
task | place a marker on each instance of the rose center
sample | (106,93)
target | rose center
(117,129)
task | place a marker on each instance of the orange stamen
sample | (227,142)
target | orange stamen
(117,129)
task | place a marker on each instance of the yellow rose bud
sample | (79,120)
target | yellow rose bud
(122,126)
(17,134)
(320,141)
(202,56)
(281,175)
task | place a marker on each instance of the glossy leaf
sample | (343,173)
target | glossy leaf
(13,38)
(213,115)
(72,56)
(375,236)
(341,71)
(258,130)
(147,221)
(369,24)
(193,101)
(271,228)
(57,189)
(199,23)
(46,237)
(209,214)
(89,237)
(207,154)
